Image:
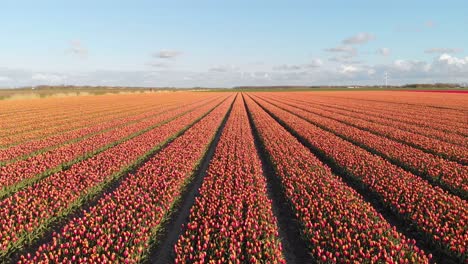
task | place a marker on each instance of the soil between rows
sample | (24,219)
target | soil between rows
(295,249)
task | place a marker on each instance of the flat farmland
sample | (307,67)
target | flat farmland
(235,177)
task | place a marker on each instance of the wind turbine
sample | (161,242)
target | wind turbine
(386,79)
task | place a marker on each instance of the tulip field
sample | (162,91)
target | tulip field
(235,177)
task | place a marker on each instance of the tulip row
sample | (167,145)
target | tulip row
(432,121)
(27,214)
(381,118)
(13,139)
(232,219)
(120,227)
(402,113)
(449,175)
(29,148)
(19,174)
(12,119)
(337,223)
(47,130)
(54,119)
(452,104)
(437,147)
(23,132)
(57,111)
(439,216)
(25,150)
(18,107)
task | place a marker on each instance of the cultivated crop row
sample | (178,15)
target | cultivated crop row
(46,143)
(20,113)
(418,118)
(417,115)
(350,177)
(122,225)
(232,219)
(435,103)
(27,214)
(19,174)
(49,130)
(439,216)
(443,149)
(450,175)
(38,130)
(15,118)
(18,128)
(382,118)
(338,225)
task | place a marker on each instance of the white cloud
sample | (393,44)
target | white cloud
(442,68)
(224,68)
(443,50)
(167,54)
(411,65)
(345,59)
(345,54)
(48,78)
(158,64)
(348,69)
(5,79)
(77,48)
(384,51)
(451,60)
(314,63)
(402,65)
(287,67)
(359,38)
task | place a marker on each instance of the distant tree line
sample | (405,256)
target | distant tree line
(432,86)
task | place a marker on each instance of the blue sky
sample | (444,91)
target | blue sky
(229,43)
